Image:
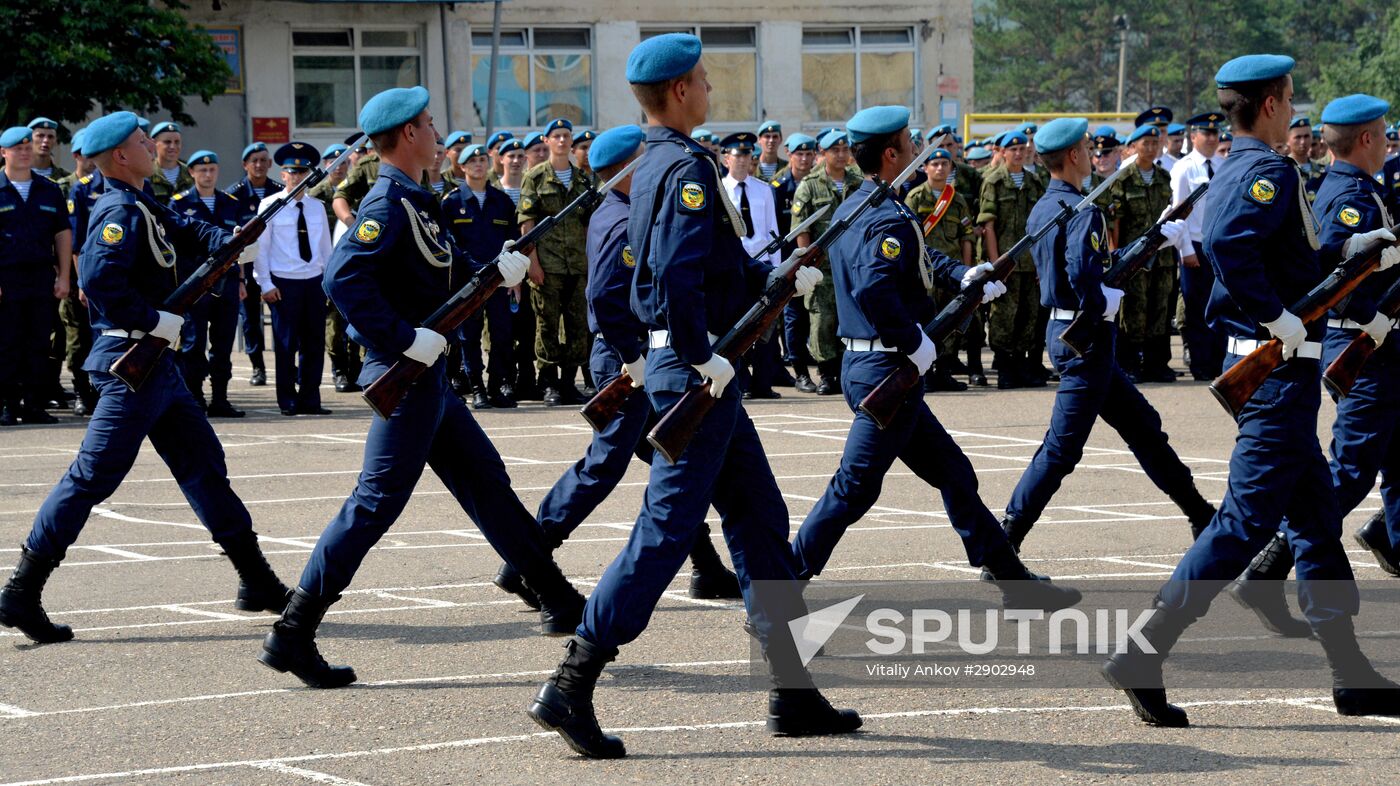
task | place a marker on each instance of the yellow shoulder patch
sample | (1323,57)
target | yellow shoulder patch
(85,179)
(180,195)
(1095,241)
(1263,190)
(70,206)
(692,195)
(889,249)
(1349,215)
(113,233)
(368,231)
(796,207)
(627,259)
(526,203)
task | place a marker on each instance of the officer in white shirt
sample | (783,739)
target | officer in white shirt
(757,206)
(292,254)
(1207,346)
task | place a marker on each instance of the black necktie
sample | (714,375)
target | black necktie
(1210,170)
(303,234)
(744,211)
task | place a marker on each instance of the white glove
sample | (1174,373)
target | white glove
(168,327)
(1112,299)
(1172,231)
(923,357)
(806,280)
(512,265)
(637,370)
(426,347)
(973,272)
(1378,328)
(1290,330)
(719,371)
(992,290)
(1355,243)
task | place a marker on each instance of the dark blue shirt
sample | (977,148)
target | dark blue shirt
(225,215)
(1347,205)
(478,229)
(28,263)
(81,201)
(875,269)
(1254,239)
(1390,185)
(610,267)
(693,276)
(1069,260)
(393,269)
(784,189)
(248,199)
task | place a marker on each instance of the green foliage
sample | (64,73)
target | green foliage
(1372,65)
(63,58)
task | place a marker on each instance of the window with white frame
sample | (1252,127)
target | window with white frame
(542,73)
(731,61)
(845,69)
(335,70)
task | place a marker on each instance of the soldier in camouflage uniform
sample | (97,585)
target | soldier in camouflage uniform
(1106,158)
(952,235)
(77,328)
(344,353)
(802,152)
(168,141)
(558,267)
(1008,193)
(1139,197)
(826,186)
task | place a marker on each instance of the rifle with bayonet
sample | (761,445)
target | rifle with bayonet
(1340,376)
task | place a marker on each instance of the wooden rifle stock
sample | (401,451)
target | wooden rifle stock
(1340,377)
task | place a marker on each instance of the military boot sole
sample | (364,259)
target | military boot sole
(283,663)
(509,581)
(51,634)
(805,725)
(1366,701)
(1382,558)
(1149,704)
(550,711)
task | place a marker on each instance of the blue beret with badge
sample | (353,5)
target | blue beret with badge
(531,139)
(16,135)
(978,153)
(974,144)
(1226,136)
(161,128)
(200,157)
(296,155)
(739,142)
(1300,121)
(824,132)
(333,151)
(556,124)
(796,142)
(877,120)
(833,137)
(1354,110)
(499,137)
(77,143)
(662,58)
(1156,115)
(1174,129)
(1013,138)
(1142,131)
(392,108)
(457,136)
(1028,128)
(42,122)
(938,131)
(615,146)
(1061,133)
(1253,68)
(256,147)
(509,145)
(469,152)
(916,134)
(1393,133)
(109,131)
(587,135)
(1206,120)
(940,153)
(701,135)
(143,124)
(770,126)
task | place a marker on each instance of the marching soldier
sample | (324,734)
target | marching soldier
(392,270)
(827,186)
(1205,344)
(1139,199)
(1008,193)
(45,139)
(250,192)
(797,323)
(693,281)
(171,176)
(770,136)
(558,267)
(1261,238)
(210,326)
(128,268)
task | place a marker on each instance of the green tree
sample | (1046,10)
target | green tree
(66,57)
(1371,66)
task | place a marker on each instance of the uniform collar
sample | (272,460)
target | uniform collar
(399,176)
(618,196)
(1250,143)
(665,134)
(1057,184)
(1353,171)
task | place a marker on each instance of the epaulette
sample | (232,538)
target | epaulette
(180,195)
(85,179)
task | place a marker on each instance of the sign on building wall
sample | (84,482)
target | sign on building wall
(272,130)
(229,40)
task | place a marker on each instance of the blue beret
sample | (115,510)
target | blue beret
(739,140)
(1208,120)
(333,151)
(939,153)
(1354,109)
(457,136)
(17,135)
(499,137)
(877,120)
(1028,128)
(1104,130)
(824,132)
(161,128)
(934,133)
(1142,131)
(587,135)
(143,124)
(833,137)
(42,122)
(556,124)
(77,143)
(1061,133)
(796,142)
(256,147)
(108,131)
(200,157)
(392,108)
(1154,115)
(297,155)
(615,146)
(771,125)
(663,57)
(509,145)
(1300,121)
(700,134)
(1226,136)
(1253,68)
(531,139)
(974,144)
(469,152)
(1175,128)
(1106,142)
(1013,138)
(957,138)
(978,153)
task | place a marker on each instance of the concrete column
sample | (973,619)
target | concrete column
(613,102)
(780,73)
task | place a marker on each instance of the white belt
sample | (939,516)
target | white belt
(866,345)
(1345,324)
(656,339)
(133,334)
(1064,314)
(1243,346)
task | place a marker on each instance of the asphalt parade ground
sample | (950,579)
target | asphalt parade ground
(161,685)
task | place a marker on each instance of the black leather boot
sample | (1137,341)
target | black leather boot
(479,398)
(259,589)
(1016,531)
(710,579)
(1260,589)
(291,646)
(259,375)
(1139,674)
(561,606)
(565,702)
(1357,688)
(219,406)
(568,392)
(1022,589)
(1199,512)
(86,400)
(21,602)
(795,707)
(1375,538)
(805,712)
(509,580)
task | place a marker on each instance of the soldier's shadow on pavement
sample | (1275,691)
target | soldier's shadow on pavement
(526,628)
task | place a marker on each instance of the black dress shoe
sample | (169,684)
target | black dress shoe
(828,387)
(553,398)
(500,400)
(342,383)
(312,411)
(259,377)
(977,380)
(37,417)
(1374,538)
(480,400)
(221,408)
(943,383)
(353,387)
(289,411)
(804,384)
(762,394)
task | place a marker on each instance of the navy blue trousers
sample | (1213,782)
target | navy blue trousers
(432,428)
(797,323)
(206,342)
(497,318)
(1093,387)
(916,438)
(299,341)
(251,312)
(1278,480)
(1364,440)
(724,465)
(1207,344)
(163,410)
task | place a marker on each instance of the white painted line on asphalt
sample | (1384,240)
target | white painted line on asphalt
(131,555)
(11,711)
(311,775)
(218,615)
(426,602)
(108,513)
(1136,563)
